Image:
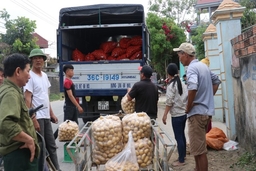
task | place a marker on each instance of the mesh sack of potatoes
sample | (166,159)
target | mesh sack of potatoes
(67,130)
(138,123)
(101,156)
(107,136)
(144,152)
(127,106)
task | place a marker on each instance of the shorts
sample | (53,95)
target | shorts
(197,127)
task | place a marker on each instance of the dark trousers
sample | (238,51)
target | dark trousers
(47,133)
(70,113)
(178,125)
(18,160)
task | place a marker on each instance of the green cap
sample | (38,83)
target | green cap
(37,52)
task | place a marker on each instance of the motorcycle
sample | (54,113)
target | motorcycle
(161,88)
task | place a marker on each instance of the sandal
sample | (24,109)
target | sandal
(178,159)
(177,163)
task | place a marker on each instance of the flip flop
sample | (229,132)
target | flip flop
(178,159)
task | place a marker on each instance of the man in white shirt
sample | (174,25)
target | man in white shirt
(36,93)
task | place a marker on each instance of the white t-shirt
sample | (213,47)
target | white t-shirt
(39,86)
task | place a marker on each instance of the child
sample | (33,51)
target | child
(71,105)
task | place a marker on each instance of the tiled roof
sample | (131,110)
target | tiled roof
(228,4)
(199,2)
(210,29)
(41,42)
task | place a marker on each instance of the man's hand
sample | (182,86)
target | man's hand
(80,109)
(36,124)
(30,144)
(54,119)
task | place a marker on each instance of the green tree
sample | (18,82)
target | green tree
(249,16)
(174,9)
(164,36)
(197,39)
(18,33)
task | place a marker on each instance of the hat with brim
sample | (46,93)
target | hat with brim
(187,48)
(37,52)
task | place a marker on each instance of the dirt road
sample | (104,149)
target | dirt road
(217,160)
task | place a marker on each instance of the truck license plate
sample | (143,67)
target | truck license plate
(103,105)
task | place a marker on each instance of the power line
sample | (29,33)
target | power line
(32,12)
(38,10)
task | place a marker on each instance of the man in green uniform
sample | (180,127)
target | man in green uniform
(18,140)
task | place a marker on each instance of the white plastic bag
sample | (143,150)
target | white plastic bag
(126,160)
(230,145)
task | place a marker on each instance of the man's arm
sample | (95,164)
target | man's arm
(73,100)
(215,82)
(128,96)
(54,119)
(191,97)
(215,88)
(28,98)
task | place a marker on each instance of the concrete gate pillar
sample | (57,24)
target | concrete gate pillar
(212,53)
(227,21)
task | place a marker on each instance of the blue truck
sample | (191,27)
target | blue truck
(101,84)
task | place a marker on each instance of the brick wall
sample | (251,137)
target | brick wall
(244,86)
(245,43)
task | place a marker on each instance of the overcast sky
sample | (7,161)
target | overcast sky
(46,13)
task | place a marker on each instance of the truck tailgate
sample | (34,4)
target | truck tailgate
(105,76)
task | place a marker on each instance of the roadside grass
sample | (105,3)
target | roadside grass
(246,162)
(54,97)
